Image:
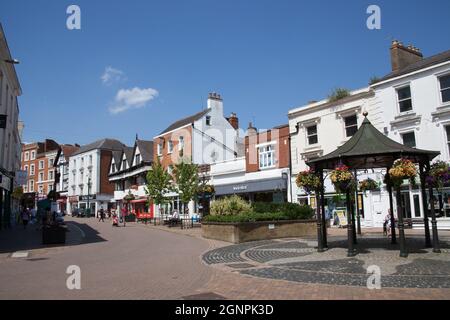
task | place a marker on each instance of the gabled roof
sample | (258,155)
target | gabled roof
(369,148)
(104,144)
(185,121)
(128,152)
(421,64)
(145,149)
(117,157)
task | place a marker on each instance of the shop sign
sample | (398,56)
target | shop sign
(240,188)
(5,182)
(21,177)
(85,198)
(73,199)
(271,226)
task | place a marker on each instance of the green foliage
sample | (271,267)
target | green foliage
(230,206)
(338,94)
(373,80)
(186,177)
(158,183)
(238,210)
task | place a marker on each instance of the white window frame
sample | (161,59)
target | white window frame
(400,87)
(169,147)
(345,125)
(307,135)
(409,132)
(33,155)
(439,76)
(160,148)
(41,165)
(267,158)
(180,143)
(32,170)
(27,156)
(208,120)
(31,185)
(39,176)
(51,175)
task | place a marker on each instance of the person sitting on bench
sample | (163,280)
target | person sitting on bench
(175,218)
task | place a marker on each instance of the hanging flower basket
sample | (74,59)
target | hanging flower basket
(439,175)
(209,189)
(129,197)
(342,179)
(369,185)
(401,170)
(309,181)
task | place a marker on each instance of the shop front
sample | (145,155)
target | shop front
(267,190)
(142,208)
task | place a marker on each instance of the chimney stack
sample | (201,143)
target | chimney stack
(402,56)
(215,103)
(251,130)
(234,121)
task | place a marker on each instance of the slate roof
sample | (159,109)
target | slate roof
(146,150)
(369,148)
(185,121)
(424,63)
(103,144)
(117,156)
(129,154)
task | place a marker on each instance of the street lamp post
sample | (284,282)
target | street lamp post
(88,198)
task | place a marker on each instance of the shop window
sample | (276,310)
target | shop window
(404,99)
(351,125)
(266,157)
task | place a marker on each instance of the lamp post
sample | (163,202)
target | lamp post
(88,197)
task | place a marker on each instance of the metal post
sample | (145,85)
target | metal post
(351,251)
(322,206)
(357,206)
(425,206)
(352,203)
(401,226)
(436,247)
(319,226)
(391,207)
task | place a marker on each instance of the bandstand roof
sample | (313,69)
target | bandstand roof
(369,148)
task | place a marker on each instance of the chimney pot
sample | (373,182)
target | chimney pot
(402,57)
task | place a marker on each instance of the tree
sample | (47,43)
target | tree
(186,177)
(159,183)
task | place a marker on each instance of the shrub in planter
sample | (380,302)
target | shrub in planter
(230,206)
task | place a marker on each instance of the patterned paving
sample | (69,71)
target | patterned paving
(299,261)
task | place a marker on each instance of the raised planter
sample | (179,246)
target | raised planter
(251,231)
(54,234)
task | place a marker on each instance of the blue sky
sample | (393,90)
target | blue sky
(163,57)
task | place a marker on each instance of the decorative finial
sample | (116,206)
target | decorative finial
(365,113)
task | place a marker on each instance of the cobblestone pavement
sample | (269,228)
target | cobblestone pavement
(156,262)
(296,260)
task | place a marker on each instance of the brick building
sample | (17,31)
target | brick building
(38,160)
(263,174)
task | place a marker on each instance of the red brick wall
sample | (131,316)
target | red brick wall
(171,159)
(281,135)
(106,187)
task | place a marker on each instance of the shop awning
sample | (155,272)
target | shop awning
(277,184)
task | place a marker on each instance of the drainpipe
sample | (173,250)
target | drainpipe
(290,161)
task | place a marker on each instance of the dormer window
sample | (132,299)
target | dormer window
(124,164)
(404,99)
(138,159)
(208,120)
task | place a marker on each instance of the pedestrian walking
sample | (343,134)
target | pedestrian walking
(102,215)
(25,218)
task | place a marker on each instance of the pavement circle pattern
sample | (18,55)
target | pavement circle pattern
(297,260)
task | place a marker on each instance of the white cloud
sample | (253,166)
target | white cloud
(132,99)
(111,75)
